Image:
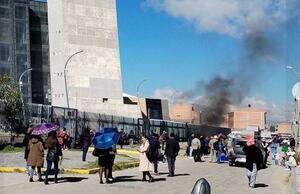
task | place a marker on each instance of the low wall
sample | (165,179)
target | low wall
(4,139)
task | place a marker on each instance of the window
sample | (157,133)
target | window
(20,12)
(105,100)
(4,12)
(4,53)
(4,2)
(5,33)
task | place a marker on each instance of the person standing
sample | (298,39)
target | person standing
(86,139)
(131,138)
(254,159)
(145,165)
(35,156)
(104,162)
(154,150)
(163,139)
(219,148)
(196,146)
(53,155)
(26,151)
(122,138)
(112,156)
(190,146)
(171,152)
(212,141)
(292,143)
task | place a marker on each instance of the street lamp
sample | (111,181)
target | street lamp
(65,69)
(20,87)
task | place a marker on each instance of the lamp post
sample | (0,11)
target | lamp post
(296,118)
(65,69)
(138,92)
(138,97)
(20,87)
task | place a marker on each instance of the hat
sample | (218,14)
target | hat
(250,140)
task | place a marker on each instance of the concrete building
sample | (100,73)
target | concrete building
(149,107)
(284,127)
(93,77)
(185,113)
(239,119)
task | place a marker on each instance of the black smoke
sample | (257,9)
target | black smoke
(258,49)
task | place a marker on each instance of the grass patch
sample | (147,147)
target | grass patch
(118,165)
(11,149)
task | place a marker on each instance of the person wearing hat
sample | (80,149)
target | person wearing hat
(254,159)
(211,143)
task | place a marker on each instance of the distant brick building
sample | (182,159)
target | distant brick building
(185,112)
(284,127)
(239,119)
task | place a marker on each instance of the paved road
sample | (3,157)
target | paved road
(223,180)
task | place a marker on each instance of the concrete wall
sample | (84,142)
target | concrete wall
(94,76)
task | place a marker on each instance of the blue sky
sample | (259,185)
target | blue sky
(175,44)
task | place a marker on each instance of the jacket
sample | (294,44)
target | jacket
(145,164)
(54,150)
(36,153)
(172,147)
(196,144)
(253,155)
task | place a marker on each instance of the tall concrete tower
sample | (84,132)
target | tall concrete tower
(93,77)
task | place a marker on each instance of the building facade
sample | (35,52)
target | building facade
(284,127)
(92,79)
(14,42)
(241,118)
(185,113)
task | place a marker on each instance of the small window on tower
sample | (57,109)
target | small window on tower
(104,100)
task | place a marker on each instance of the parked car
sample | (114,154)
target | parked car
(236,155)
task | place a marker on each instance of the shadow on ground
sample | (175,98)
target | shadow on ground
(120,179)
(260,185)
(68,179)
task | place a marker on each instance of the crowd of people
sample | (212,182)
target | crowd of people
(154,149)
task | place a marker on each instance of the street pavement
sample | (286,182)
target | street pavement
(222,178)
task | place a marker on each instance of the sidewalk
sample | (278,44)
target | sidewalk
(72,161)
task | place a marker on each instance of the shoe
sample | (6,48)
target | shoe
(151,180)
(55,180)
(46,182)
(40,180)
(170,175)
(31,180)
(101,182)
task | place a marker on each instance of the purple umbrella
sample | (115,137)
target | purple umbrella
(44,128)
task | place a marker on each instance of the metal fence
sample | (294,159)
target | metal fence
(75,121)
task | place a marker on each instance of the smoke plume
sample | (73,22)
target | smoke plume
(220,93)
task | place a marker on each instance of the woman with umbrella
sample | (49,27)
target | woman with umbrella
(104,142)
(145,165)
(54,152)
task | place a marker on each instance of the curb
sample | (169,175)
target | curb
(9,169)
